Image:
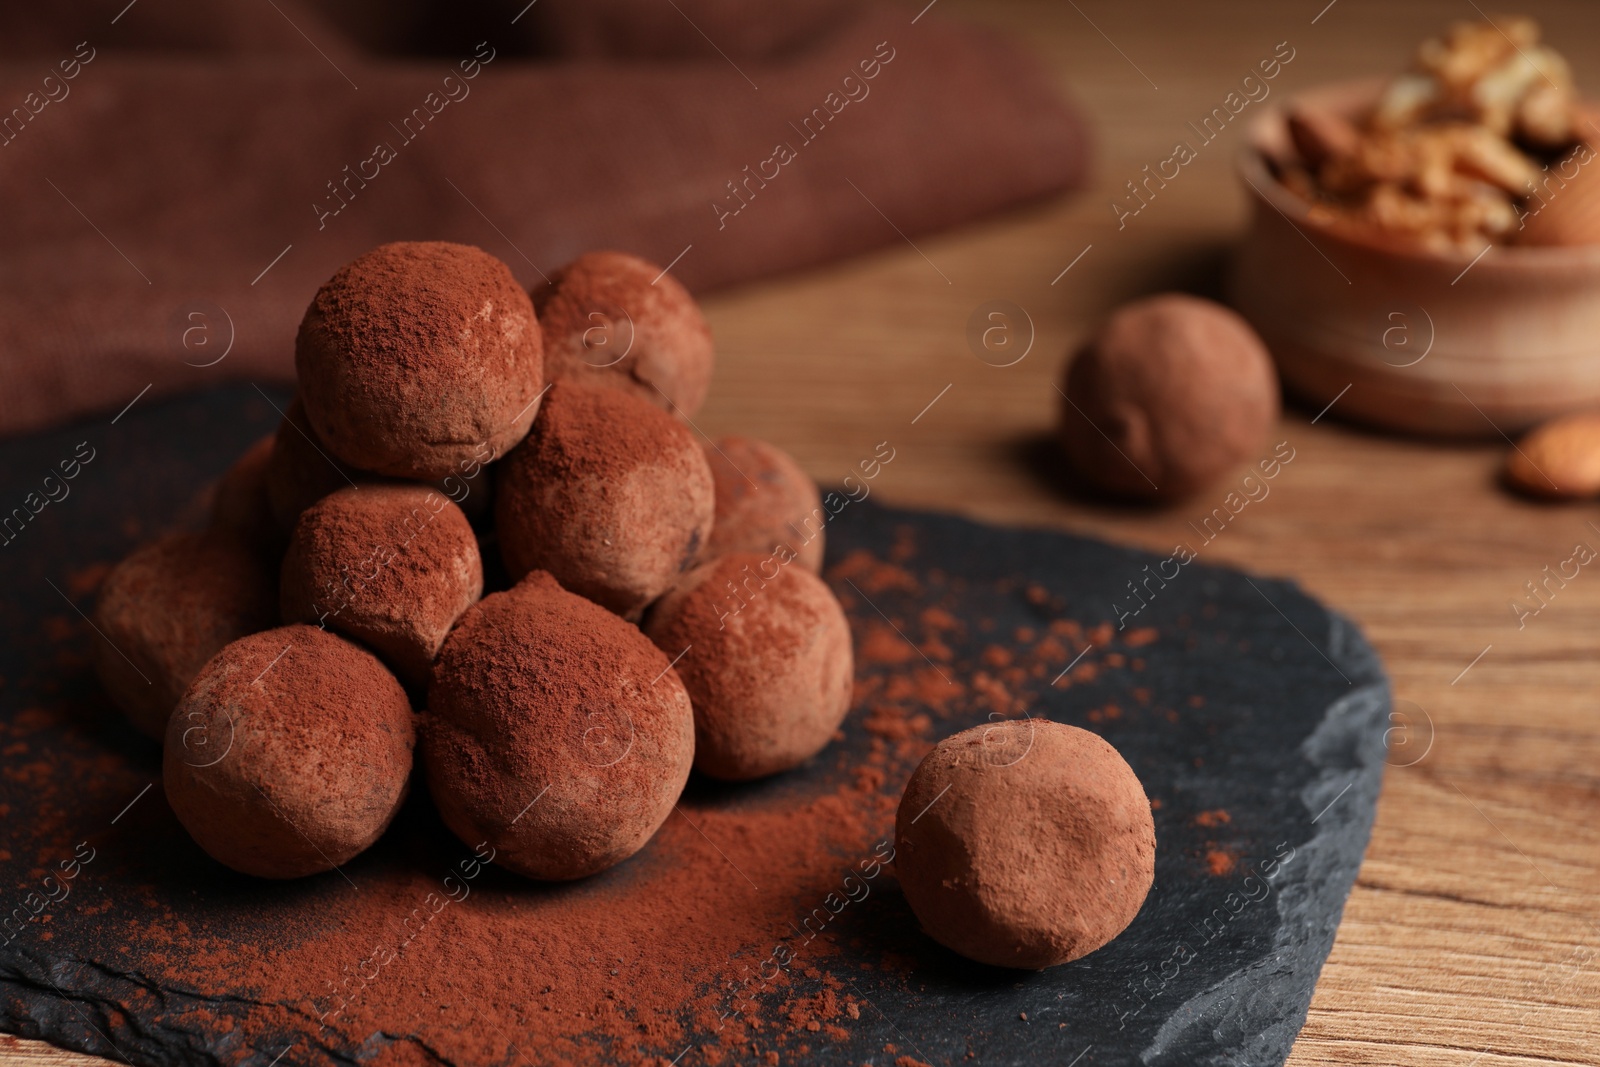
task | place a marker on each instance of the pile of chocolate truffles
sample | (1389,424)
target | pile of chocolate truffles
(661,608)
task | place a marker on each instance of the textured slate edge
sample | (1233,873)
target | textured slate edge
(1348,749)
(77,1014)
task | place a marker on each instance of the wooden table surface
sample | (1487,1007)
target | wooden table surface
(1471,935)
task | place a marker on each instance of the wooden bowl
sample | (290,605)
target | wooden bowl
(1440,345)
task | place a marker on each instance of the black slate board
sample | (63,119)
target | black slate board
(1217,969)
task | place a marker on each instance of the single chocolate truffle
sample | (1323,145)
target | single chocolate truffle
(392,566)
(1024,843)
(1171,394)
(609,318)
(301,470)
(289,754)
(609,494)
(240,507)
(763,648)
(764,500)
(168,608)
(555,731)
(419,356)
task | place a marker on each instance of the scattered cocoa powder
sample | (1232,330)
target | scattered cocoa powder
(883,644)
(1221,862)
(873,575)
(1139,637)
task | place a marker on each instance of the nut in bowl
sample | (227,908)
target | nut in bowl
(1426,249)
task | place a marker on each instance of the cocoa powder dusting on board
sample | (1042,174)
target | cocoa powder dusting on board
(1221,862)
(726,934)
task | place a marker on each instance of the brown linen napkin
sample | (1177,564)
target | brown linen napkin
(177,190)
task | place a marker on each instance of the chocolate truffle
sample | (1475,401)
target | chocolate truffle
(419,356)
(555,731)
(609,318)
(763,648)
(1024,843)
(289,753)
(764,500)
(239,503)
(392,566)
(1171,394)
(611,495)
(168,608)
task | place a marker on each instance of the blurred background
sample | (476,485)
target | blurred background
(1464,941)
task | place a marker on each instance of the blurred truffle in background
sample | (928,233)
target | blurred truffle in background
(1171,394)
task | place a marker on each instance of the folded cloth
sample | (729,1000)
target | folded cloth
(175,199)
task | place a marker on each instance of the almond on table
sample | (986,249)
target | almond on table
(1559,460)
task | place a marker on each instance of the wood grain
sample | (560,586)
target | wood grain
(1471,937)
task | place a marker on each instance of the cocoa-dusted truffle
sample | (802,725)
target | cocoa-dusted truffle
(555,731)
(416,356)
(1024,843)
(764,500)
(611,495)
(392,566)
(301,470)
(609,318)
(1172,393)
(168,608)
(289,754)
(240,507)
(764,650)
